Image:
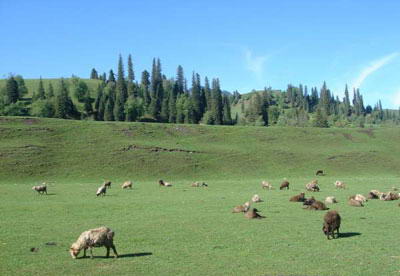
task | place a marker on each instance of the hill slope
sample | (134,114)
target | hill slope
(38,149)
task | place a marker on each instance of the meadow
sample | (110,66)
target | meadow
(183,230)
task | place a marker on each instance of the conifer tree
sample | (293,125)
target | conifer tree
(145,86)
(180,80)
(99,95)
(41,93)
(64,107)
(131,74)
(227,118)
(94,75)
(109,110)
(111,76)
(11,95)
(121,84)
(196,98)
(216,104)
(207,94)
(50,91)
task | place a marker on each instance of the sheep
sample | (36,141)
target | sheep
(317,205)
(361,198)
(107,184)
(284,184)
(309,201)
(331,223)
(266,185)
(389,196)
(41,189)
(320,172)
(313,186)
(330,200)
(298,198)
(127,184)
(241,208)
(252,214)
(102,236)
(340,184)
(165,184)
(372,195)
(199,184)
(355,203)
(101,191)
(256,198)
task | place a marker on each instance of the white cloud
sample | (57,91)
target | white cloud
(372,67)
(254,63)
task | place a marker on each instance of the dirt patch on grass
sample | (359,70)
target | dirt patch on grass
(31,121)
(348,136)
(369,132)
(157,149)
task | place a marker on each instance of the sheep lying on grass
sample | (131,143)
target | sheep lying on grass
(340,185)
(252,214)
(199,184)
(127,184)
(309,201)
(317,205)
(241,208)
(266,185)
(331,223)
(165,184)
(298,198)
(313,186)
(41,189)
(102,236)
(330,200)
(256,198)
(355,203)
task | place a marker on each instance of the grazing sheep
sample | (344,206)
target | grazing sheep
(252,214)
(319,172)
(284,184)
(331,223)
(317,205)
(355,203)
(107,184)
(313,186)
(330,200)
(199,184)
(340,184)
(256,198)
(41,189)
(309,201)
(102,236)
(101,191)
(165,184)
(127,184)
(241,208)
(298,198)
(266,185)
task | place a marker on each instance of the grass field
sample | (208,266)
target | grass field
(191,231)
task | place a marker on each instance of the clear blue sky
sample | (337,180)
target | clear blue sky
(247,44)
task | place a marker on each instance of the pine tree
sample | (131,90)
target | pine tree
(99,95)
(172,103)
(41,93)
(50,91)
(11,95)
(64,107)
(131,74)
(109,110)
(121,84)
(145,86)
(156,90)
(216,104)
(196,98)
(320,119)
(22,90)
(94,75)
(111,76)
(347,105)
(180,80)
(227,117)
(207,94)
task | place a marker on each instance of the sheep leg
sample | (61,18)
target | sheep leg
(114,250)
(91,252)
(84,253)
(108,252)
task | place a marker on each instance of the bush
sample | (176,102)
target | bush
(42,108)
(16,109)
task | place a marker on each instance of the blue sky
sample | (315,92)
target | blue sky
(247,44)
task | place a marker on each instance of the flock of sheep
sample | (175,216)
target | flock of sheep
(103,236)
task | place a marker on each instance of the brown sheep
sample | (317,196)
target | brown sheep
(266,185)
(127,184)
(331,223)
(340,184)
(101,191)
(284,184)
(355,203)
(309,201)
(107,184)
(241,208)
(102,236)
(252,214)
(41,189)
(298,198)
(317,205)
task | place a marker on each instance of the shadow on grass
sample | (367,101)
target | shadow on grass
(349,234)
(130,255)
(50,194)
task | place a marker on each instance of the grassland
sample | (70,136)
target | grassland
(191,231)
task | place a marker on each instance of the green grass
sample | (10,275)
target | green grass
(191,231)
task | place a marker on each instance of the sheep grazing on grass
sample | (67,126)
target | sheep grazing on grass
(298,198)
(98,237)
(309,201)
(284,184)
(317,205)
(127,184)
(330,200)
(355,203)
(199,184)
(101,191)
(331,223)
(256,198)
(313,186)
(41,189)
(266,185)
(165,184)
(320,172)
(340,184)
(253,214)
(107,184)
(241,208)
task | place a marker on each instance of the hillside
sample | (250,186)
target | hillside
(50,149)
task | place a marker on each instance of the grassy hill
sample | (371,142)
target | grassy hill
(191,231)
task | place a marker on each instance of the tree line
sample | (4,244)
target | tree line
(156,98)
